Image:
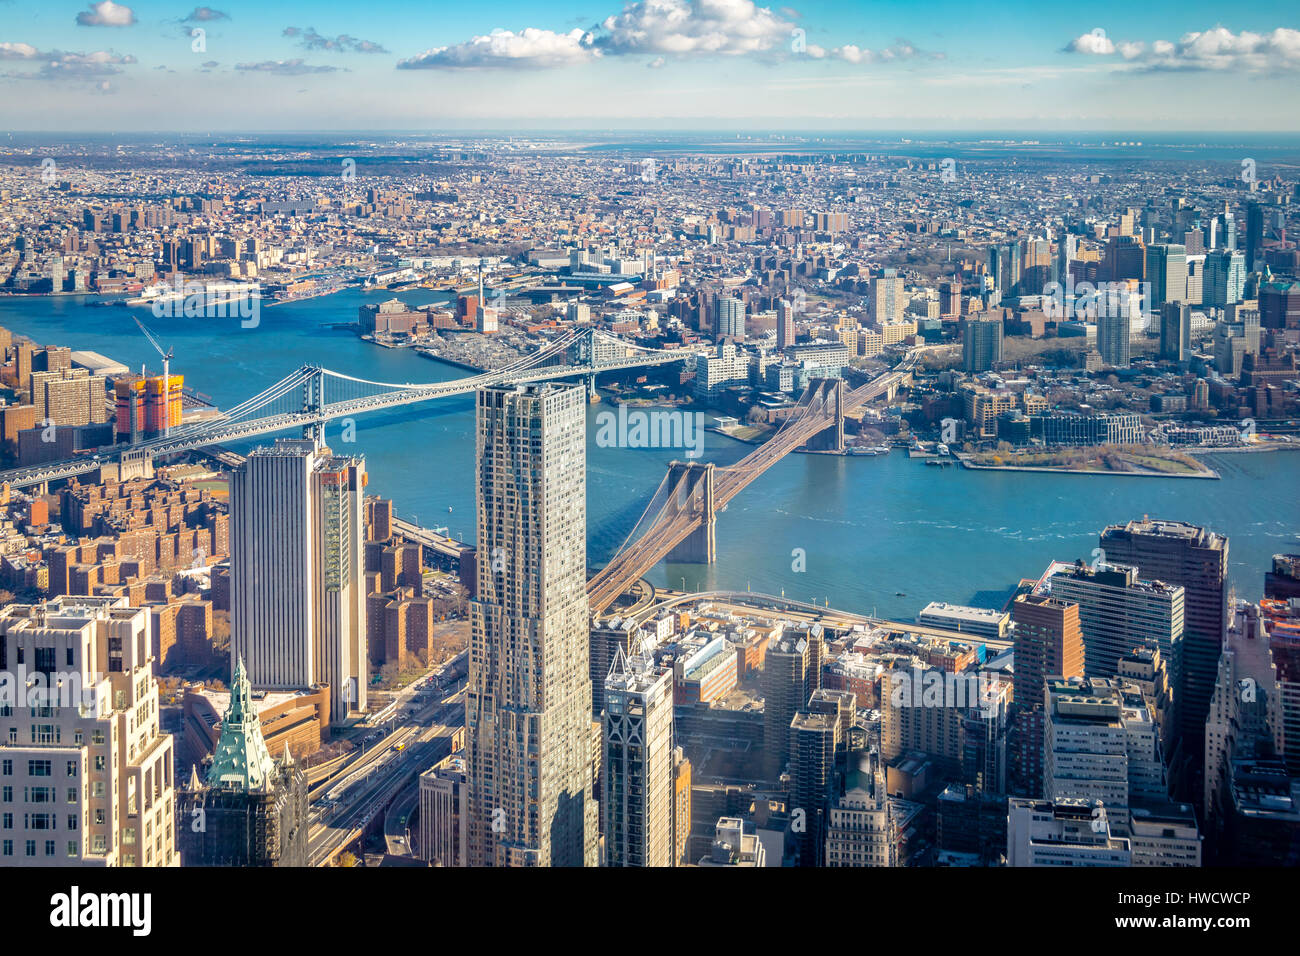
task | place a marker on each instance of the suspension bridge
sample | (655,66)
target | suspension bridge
(310,396)
(679,521)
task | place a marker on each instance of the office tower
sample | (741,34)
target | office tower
(1148,670)
(1125,258)
(1114,337)
(1175,332)
(1225,278)
(1254,235)
(860,825)
(949,299)
(528,711)
(1228,231)
(1183,554)
(1062,832)
(785,331)
(1101,743)
(1066,248)
(86,773)
(607,641)
(638,794)
(1245,723)
(297,590)
(444,813)
(731,319)
(791,672)
(248,810)
(887,299)
(1119,613)
(732,846)
(1279,305)
(814,742)
(981,344)
(1167,272)
(1048,640)
(971,826)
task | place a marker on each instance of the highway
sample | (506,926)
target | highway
(343,807)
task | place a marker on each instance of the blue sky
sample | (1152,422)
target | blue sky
(656,64)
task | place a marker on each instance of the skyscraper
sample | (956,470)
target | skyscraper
(1119,613)
(1167,273)
(1048,640)
(87,780)
(1254,234)
(1179,553)
(528,710)
(638,776)
(785,331)
(1114,337)
(1175,331)
(791,672)
(249,810)
(298,608)
(731,319)
(981,344)
(1225,278)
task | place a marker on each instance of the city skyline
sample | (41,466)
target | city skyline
(648,64)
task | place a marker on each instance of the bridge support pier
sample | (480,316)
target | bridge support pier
(695,497)
(590,381)
(832,437)
(313,401)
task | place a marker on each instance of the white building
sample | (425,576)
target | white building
(297,605)
(1062,832)
(86,778)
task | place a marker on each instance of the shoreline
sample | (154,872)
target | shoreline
(1211,475)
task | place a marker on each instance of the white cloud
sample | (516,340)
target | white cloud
(284,67)
(1095,43)
(1217,49)
(530,48)
(205,15)
(18,51)
(343,43)
(106,13)
(678,27)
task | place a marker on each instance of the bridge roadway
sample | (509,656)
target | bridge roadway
(200,435)
(676,522)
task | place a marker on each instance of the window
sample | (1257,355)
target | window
(7,795)
(7,849)
(72,795)
(7,768)
(31,847)
(72,768)
(72,822)
(8,821)
(39,768)
(49,848)
(72,848)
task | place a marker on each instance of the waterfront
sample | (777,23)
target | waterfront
(869,527)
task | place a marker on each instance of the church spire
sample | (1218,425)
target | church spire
(241,760)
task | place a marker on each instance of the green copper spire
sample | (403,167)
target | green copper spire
(241,760)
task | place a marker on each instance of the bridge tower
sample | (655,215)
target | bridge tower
(313,403)
(831,392)
(695,497)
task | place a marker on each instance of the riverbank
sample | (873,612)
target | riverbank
(1209,473)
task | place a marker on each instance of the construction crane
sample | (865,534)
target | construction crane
(167,380)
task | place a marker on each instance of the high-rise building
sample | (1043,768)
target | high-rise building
(887,299)
(1048,640)
(1166,268)
(1254,235)
(1175,331)
(86,773)
(1114,337)
(1225,278)
(785,331)
(981,344)
(814,742)
(791,672)
(637,770)
(248,810)
(444,813)
(1197,559)
(860,825)
(1062,832)
(731,319)
(1119,613)
(297,605)
(528,711)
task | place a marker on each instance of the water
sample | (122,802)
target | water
(868,527)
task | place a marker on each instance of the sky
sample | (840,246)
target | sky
(674,65)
